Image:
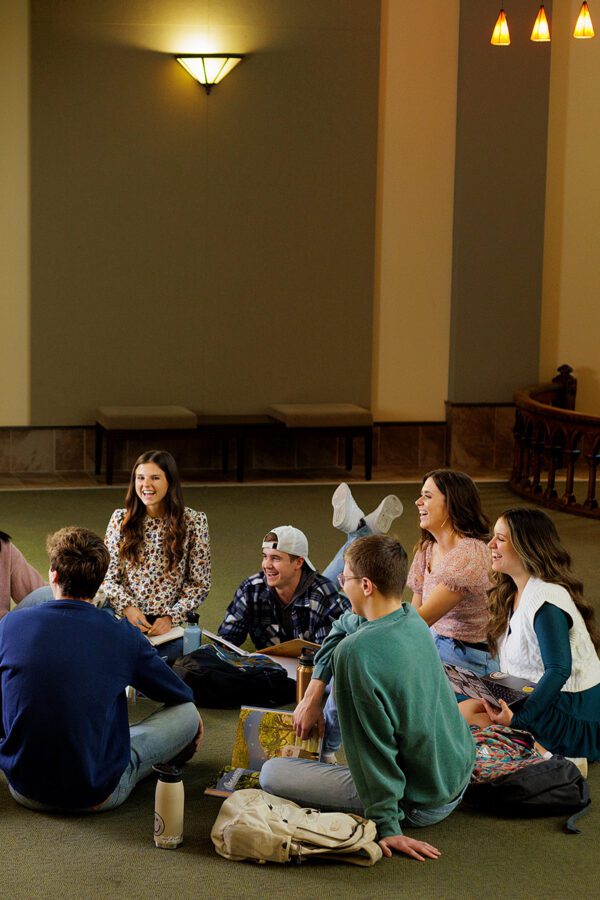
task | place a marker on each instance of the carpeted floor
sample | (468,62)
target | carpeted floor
(113,855)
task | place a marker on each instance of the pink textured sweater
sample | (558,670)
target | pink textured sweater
(17,577)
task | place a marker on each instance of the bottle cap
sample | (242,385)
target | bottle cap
(307,657)
(167,773)
(193,618)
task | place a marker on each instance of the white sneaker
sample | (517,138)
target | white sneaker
(346,511)
(581,763)
(380,520)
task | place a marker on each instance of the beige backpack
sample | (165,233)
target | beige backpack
(255,825)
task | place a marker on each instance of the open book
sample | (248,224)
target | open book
(175,632)
(286,654)
(261,735)
(291,648)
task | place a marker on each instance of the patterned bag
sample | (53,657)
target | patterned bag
(511,778)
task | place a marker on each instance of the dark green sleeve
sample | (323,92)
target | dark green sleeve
(551,625)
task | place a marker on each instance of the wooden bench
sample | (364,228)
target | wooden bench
(120,422)
(341,419)
(238,427)
(117,423)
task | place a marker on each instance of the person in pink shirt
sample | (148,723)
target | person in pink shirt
(449,575)
(17,577)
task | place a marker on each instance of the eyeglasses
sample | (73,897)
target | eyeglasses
(344,578)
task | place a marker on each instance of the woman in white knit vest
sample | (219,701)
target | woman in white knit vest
(544,631)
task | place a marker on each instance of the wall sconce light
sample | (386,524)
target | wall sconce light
(209,68)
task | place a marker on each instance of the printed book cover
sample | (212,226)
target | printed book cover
(265,733)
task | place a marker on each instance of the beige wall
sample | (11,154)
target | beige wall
(14,212)
(415,208)
(214,252)
(571,294)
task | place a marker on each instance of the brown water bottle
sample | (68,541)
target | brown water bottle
(306,664)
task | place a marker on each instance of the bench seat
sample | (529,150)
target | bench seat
(120,422)
(346,420)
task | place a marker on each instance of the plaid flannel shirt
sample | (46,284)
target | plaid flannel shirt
(254,611)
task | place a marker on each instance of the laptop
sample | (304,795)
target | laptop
(492,687)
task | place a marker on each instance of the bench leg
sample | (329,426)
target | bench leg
(110,456)
(348,440)
(98,460)
(225,453)
(240,450)
(368,454)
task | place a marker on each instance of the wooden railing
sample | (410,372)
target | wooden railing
(551,438)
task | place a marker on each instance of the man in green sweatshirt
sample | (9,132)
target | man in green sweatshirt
(409,750)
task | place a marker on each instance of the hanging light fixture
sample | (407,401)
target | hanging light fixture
(541,31)
(583,27)
(209,68)
(501,34)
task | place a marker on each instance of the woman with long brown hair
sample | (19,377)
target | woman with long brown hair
(449,575)
(544,631)
(159,550)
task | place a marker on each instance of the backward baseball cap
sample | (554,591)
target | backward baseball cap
(290,540)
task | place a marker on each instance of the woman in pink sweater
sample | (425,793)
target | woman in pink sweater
(17,577)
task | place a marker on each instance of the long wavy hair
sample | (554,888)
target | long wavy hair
(534,536)
(463,503)
(132,529)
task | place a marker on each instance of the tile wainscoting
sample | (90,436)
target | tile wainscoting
(473,437)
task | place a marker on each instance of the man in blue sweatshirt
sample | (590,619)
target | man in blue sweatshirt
(410,752)
(65,740)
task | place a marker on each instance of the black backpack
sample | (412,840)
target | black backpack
(546,787)
(245,681)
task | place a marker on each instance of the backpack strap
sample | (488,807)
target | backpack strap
(570,823)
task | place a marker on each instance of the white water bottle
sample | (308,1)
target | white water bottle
(168,807)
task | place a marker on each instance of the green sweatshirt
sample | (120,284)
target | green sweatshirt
(404,737)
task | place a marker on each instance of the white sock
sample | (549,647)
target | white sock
(380,520)
(581,763)
(346,511)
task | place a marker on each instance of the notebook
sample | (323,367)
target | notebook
(492,687)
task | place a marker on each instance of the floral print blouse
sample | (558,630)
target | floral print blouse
(149,584)
(465,570)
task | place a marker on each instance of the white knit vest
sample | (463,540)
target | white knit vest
(519,651)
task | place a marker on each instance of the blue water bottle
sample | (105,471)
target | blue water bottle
(191,633)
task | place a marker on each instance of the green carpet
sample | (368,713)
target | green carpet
(113,855)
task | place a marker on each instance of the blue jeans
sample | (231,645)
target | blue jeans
(333,737)
(40,595)
(336,566)
(157,739)
(332,788)
(458,654)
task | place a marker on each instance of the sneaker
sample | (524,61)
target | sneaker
(581,763)
(347,514)
(380,520)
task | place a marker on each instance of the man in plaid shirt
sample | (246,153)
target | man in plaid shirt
(287,599)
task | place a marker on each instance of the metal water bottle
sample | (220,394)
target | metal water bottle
(191,633)
(306,664)
(168,807)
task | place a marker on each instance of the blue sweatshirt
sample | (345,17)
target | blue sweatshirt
(64,731)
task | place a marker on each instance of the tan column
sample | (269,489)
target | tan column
(14,213)
(417,126)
